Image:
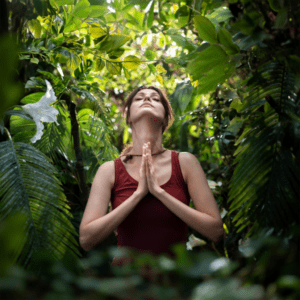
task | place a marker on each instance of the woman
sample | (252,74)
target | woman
(149,187)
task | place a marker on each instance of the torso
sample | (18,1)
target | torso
(162,165)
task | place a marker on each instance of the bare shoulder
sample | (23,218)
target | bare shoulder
(186,161)
(108,170)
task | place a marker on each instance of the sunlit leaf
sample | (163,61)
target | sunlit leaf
(131,62)
(96,31)
(35,28)
(160,79)
(160,69)
(114,67)
(98,11)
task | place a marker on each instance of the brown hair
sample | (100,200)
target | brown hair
(169,115)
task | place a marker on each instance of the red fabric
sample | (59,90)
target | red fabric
(151,226)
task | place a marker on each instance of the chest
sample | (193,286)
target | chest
(163,169)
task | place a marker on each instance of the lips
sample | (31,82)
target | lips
(147,104)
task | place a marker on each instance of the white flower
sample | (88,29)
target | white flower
(193,242)
(59,69)
(42,112)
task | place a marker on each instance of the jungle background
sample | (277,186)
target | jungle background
(232,73)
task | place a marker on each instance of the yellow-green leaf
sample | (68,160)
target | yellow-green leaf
(131,62)
(99,64)
(159,79)
(160,69)
(96,32)
(114,67)
(35,28)
(34,60)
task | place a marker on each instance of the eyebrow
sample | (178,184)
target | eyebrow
(153,93)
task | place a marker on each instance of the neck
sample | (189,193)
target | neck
(146,133)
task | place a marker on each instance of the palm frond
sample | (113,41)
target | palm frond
(28,185)
(265,184)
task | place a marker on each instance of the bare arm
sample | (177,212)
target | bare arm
(98,230)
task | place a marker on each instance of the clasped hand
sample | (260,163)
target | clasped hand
(153,186)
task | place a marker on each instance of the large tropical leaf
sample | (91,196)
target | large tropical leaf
(265,184)
(28,185)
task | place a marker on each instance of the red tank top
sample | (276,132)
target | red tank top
(150,226)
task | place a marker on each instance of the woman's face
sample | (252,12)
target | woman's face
(147,101)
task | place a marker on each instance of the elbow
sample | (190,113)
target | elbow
(83,241)
(220,234)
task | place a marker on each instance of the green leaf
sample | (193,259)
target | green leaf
(114,67)
(281,18)
(183,42)
(183,94)
(150,16)
(83,93)
(220,15)
(32,98)
(150,55)
(116,53)
(113,42)
(98,11)
(82,9)
(133,62)
(206,29)
(215,76)
(100,64)
(152,69)
(83,13)
(160,79)
(64,2)
(96,31)
(35,28)
(72,24)
(206,60)
(225,39)
(34,60)
(160,69)
(275,5)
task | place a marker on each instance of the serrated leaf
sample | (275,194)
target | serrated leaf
(206,29)
(131,62)
(160,79)
(160,69)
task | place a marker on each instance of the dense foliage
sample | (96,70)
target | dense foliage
(232,73)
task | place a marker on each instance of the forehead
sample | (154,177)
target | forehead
(147,92)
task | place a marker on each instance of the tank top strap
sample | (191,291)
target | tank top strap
(177,169)
(118,169)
